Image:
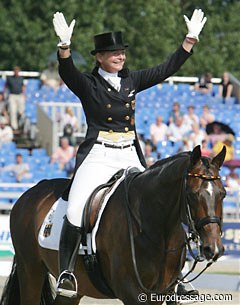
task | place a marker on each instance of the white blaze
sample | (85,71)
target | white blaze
(209,188)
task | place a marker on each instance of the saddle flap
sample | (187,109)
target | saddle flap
(95,201)
(92,208)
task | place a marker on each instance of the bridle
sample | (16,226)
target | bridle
(193,231)
(194,227)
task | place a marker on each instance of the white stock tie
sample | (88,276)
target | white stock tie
(114,85)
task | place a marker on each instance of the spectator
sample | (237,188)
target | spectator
(225,88)
(6,132)
(190,118)
(186,145)
(177,131)
(217,135)
(158,130)
(16,98)
(228,142)
(149,153)
(50,77)
(63,153)
(175,113)
(3,108)
(70,125)
(232,179)
(20,169)
(204,84)
(70,165)
(70,118)
(206,152)
(196,136)
(207,117)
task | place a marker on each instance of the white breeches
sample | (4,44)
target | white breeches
(98,167)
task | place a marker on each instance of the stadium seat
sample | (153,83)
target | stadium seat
(2,84)
(11,146)
(39,152)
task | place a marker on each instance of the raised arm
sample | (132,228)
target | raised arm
(64,32)
(194,26)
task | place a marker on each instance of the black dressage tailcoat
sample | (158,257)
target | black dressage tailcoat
(105,108)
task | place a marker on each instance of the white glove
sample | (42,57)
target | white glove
(63,31)
(196,23)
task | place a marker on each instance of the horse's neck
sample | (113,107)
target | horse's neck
(159,197)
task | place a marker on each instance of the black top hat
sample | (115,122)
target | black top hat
(108,42)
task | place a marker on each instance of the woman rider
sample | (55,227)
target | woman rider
(107,95)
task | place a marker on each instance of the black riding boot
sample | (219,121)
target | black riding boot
(183,296)
(68,249)
(181,290)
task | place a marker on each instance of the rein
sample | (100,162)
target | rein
(131,235)
(194,235)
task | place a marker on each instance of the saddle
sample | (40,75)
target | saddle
(90,215)
(95,201)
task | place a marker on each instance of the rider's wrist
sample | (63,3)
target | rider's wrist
(64,47)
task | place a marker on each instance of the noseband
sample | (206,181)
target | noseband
(208,219)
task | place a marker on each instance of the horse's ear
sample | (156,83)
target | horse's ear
(196,155)
(219,159)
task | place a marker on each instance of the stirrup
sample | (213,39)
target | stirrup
(190,297)
(67,275)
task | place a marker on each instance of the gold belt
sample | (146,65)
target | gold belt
(116,136)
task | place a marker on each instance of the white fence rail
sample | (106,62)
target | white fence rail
(50,123)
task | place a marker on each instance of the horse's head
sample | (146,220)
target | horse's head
(205,193)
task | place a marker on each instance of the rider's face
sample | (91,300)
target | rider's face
(111,61)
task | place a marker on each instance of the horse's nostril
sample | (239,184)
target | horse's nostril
(208,252)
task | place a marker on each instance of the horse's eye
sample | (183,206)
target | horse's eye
(223,194)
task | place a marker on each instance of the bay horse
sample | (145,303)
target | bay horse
(141,243)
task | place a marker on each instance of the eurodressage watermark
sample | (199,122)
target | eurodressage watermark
(201,298)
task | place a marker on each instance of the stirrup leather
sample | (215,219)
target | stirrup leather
(66,292)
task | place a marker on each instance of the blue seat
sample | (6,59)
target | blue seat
(11,146)
(56,174)
(39,152)
(2,84)
(23,151)
(32,85)
(38,176)
(8,177)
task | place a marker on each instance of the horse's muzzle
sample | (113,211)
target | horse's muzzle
(212,247)
(212,252)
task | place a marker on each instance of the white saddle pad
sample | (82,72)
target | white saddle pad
(50,231)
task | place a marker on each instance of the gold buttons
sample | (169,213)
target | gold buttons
(127,117)
(133,104)
(127,105)
(126,129)
(109,118)
(132,120)
(109,106)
